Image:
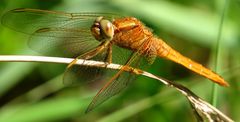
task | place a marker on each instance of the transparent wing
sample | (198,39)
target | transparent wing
(83,75)
(55,33)
(76,74)
(119,81)
(29,20)
(62,41)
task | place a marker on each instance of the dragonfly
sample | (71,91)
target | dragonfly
(98,36)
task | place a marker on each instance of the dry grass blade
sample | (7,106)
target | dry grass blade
(203,110)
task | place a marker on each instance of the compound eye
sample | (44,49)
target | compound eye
(107,28)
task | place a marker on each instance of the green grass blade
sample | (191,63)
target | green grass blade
(217,54)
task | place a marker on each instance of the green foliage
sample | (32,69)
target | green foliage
(34,92)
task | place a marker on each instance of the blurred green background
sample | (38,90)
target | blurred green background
(34,92)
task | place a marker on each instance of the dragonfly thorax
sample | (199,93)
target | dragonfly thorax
(102,29)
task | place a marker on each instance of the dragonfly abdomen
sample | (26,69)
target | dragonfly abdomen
(131,34)
(167,52)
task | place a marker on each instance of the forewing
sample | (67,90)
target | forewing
(30,20)
(53,32)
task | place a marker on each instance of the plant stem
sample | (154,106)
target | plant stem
(217,54)
(202,108)
(25,58)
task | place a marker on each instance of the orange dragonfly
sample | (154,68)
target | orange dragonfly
(97,36)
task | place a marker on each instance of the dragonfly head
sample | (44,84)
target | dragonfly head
(102,29)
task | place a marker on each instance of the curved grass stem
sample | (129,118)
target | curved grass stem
(202,109)
(217,52)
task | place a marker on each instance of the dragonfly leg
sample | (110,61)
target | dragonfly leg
(91,53)
(108,59)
